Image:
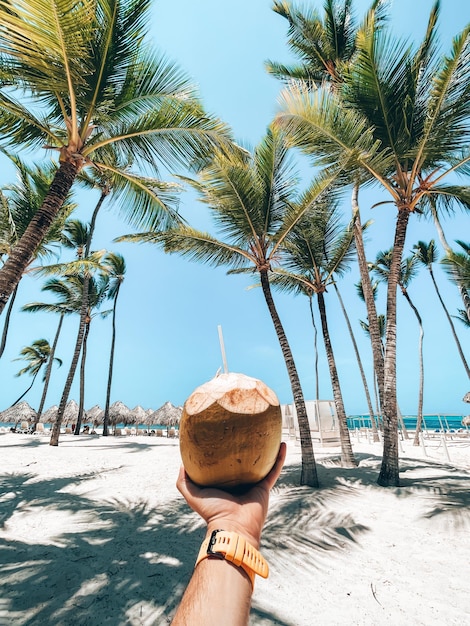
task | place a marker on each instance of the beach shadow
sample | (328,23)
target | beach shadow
(133,561)
(130,561)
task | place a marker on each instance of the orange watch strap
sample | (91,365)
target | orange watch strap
(233,547)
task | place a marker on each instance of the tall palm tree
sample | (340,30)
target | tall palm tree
(94,296)
(426,253)
(327,47)
(103,92)
(318,250)
(36,355)
(399,119)
(116,267)
(19,203)
(408,270)
(68,301)
(252,202)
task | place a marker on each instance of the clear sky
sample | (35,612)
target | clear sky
(170,308)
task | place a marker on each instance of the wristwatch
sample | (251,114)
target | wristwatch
(223,544)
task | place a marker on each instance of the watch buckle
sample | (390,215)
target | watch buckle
(210,550)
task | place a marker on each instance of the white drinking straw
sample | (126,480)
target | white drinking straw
(222,349)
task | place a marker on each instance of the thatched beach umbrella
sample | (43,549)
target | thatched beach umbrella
(139,415)
(466,397)
(166,415)
(71,412)
(20,412)
(119,413)
(95,415)
(49,416)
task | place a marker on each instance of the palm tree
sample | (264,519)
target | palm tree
(318,250)
(36,355)
(68,302)
(94,296)
(408,270)
(426,253)
(327,47)
(103,92)
(397,119)
(18,204)
(116,267)
(252,201)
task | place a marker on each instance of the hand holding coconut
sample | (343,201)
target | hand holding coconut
(230,434)
(244,514)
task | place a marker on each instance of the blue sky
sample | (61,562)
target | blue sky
(170,309)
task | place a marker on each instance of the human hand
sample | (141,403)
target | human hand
(244,513)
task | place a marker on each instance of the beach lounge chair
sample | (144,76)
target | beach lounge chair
(40,430)
(159,432)
(24,428)
(323,422)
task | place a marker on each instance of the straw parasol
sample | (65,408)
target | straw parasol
(20,412)
(466,397)
(71,412)
(95,415)
(166,415)
(49,416)
(119,413)
(138,414)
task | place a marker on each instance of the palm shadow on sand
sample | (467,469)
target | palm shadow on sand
(128,563)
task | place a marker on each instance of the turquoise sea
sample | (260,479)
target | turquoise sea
(439,422)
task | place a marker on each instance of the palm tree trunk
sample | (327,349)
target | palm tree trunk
(111,367)
(375,434)
(7,321)
(449,319)
(347,454)
(23,394)
(81,402)
(389,475)
(309,469)
(419,420)
(86,285)
(374,330)
(49,370)
(20,257)
(315,343)
(54,441)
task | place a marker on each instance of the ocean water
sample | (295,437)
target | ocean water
(430,422)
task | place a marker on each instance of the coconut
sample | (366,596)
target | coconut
(230,431)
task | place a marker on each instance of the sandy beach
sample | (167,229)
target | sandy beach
(94,532)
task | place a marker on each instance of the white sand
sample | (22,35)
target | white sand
(94,533)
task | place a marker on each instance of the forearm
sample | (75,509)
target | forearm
(218,593)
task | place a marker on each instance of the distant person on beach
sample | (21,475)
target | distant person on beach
(219,591)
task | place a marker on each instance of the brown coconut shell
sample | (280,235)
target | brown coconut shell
(230,431)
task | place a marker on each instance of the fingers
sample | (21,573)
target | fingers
(185,486)
(273,475)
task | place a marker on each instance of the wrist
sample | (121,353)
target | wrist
(229,525)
